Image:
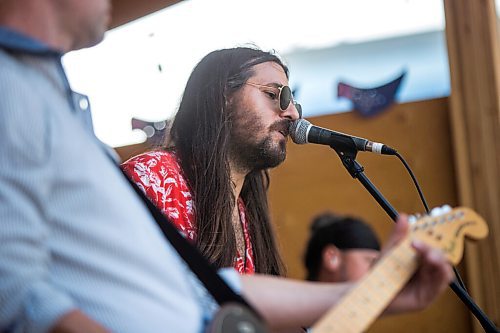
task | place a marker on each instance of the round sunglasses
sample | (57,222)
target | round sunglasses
(285,96)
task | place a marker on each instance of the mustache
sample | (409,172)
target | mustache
(282,126)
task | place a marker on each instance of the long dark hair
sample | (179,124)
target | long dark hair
(201,133)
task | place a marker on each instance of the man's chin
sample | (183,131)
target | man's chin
(276,158)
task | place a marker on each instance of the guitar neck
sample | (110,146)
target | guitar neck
(366,301)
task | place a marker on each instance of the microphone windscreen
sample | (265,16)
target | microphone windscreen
(298,131)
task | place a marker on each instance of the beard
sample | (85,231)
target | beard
(249,153)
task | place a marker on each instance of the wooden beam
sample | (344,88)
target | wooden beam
(125,11)
(474,58)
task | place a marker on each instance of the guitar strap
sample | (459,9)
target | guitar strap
(205,272)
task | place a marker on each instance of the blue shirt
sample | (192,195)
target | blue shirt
(73,234)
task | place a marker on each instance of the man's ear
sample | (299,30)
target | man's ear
(331,258)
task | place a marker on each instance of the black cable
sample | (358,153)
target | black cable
(457,275)
(414,182)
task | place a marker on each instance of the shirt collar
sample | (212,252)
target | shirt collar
(18,42)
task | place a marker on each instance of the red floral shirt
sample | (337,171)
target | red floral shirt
(159,175)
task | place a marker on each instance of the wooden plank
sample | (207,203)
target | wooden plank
(125,11)
(473,49)
(126,152)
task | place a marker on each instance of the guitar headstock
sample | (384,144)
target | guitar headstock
(447,228)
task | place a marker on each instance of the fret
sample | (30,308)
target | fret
(373,293)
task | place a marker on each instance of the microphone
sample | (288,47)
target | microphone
(302,131)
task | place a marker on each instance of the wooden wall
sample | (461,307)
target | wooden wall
(126,152)
(313,180)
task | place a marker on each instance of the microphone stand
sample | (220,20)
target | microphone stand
(347,154)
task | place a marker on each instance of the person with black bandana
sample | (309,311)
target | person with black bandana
(340,249)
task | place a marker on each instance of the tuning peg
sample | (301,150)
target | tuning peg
(446,209)
(420,216)
(437,211)
(412,219)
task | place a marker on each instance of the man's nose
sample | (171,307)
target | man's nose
(292,112)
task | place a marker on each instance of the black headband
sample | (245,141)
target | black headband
(347,233)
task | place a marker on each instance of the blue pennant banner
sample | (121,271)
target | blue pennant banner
(371,101)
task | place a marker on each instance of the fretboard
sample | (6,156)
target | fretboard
(366,301)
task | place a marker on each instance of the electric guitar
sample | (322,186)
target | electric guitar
(366,301)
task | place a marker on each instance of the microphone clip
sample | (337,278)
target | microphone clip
(347,154)
(344,145)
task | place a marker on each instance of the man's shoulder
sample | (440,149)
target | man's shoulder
(25,116)
(154,156)
(12,72)
(22,80)
(159,171)
(163,162)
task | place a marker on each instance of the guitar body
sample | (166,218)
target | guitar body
(235,318)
